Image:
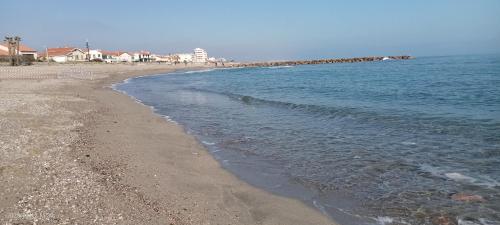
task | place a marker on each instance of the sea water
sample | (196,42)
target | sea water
(385,142)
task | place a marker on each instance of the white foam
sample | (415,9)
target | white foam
(466,222)
(208,143)
(486,222)
(460,177)
(126,81)
(384,220)
(320,207)
(408,143)
(488,181)
(432,170)
(167,118)
(479,180)
(279,67)
(199,71)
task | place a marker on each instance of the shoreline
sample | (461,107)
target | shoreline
(140,166)
(309,197)
(199,142)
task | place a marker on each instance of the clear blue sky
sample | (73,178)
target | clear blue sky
(261,29)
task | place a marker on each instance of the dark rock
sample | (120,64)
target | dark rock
(321,61)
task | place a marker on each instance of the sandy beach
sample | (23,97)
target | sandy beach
(74,151)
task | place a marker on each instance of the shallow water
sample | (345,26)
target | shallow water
(375,143)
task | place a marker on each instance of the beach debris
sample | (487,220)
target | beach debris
(463,197)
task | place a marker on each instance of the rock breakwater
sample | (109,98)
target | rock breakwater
(322,61)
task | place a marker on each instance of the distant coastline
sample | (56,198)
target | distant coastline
(247,64)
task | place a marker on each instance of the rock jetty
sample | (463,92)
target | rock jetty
(321,61)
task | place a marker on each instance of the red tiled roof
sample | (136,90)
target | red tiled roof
(25,48)
(114,53)
(3,53)
(22,47)
(59,51)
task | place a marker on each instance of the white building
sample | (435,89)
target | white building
(66,54)
(125,57)
(142,56)
(161,58)
(110,56)
(184,57)
(94,54)
(23,50)
(216,60)
(200,55)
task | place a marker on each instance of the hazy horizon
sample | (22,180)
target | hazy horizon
(261,30)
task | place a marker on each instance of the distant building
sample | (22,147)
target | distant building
(184,57)
(121,56)
(110,56)
(161,58)
(142,56)
(94,55)
(200,55)
(125,57)
(216,60)
(66,54)
(23,50)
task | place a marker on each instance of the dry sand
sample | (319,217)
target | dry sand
(73,151)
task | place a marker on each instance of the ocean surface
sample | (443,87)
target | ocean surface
(385,142)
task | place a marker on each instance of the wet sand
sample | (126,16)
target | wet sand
(75,151)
